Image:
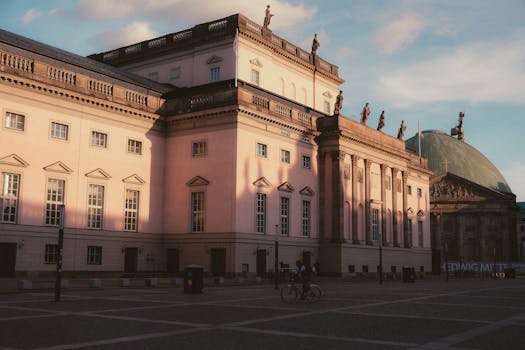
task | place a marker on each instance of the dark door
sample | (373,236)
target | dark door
(260,266)
(172,260)
(307,258)
(130,260)
(218,261)
(7,259)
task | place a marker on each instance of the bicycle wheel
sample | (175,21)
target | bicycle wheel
(289,294)
(314,293)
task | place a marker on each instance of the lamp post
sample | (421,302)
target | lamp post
(446,260)
(276,259)
(60,246)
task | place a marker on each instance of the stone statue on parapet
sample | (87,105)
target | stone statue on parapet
(381,121)
(401,131)
(267,17)
(315,45)
(365,113)
(461,135)
(338,103)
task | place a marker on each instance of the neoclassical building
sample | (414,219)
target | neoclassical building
(473,210)
(203,146)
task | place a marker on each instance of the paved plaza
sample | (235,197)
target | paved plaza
(428,314)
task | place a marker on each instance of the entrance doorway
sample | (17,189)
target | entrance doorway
(7,259)
(260,265)
(172,260)
(218,261)
(131,257)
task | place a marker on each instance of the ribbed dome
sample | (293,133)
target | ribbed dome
(445,152)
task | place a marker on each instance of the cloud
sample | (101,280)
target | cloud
(479,72)
(176,11)
(132,33)
(345,52)
(31,14)
(402,32)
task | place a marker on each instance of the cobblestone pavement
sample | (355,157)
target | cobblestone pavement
(427,314)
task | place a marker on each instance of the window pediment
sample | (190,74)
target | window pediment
(15,160)
(99,174)
(214,59)
(134,179)
(327,94)
(197,181)
(286,187)
(262,182)
(256,62)
(307,191)
(58,167)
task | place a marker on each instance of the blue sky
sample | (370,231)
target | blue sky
(418,60)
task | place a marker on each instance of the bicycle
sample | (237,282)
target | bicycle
(292,292)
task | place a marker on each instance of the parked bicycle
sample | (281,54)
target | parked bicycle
(294,291)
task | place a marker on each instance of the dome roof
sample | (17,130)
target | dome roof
(446,153)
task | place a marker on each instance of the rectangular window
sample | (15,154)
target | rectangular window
(375,224)
(307,162)
(95,206)
(420,233)
(285,156)
(9,197)
(94,255)
(285,216)
(59,131)
(199,148)
(51,254)
(409,190)
(14,121)
(409,232)
(131,210)
(99,139)
(255,77)
(419,192)
(261,150)
(215,74)
(175,73)
(55,198)
(197,212)
(306,218)
(326,106)
(260,213)
(134,146)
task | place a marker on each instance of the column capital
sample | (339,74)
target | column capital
(355,159)
(368,164)
(404,174)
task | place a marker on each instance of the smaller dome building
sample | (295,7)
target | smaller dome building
(473,209)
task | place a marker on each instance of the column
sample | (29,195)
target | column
(322,194)
(383,204)
(355,239)
(337,207)
(407,239)
(395,237)
(368,163)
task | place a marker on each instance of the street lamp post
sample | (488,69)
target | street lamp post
(276,258)
(60,247)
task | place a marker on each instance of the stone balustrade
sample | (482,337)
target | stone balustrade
(61,75)
(16,62)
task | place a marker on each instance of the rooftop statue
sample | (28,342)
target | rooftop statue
(365,113)
(401,131)
(315,45)
(267,17)
(381,121)
(338,103)
(461,135)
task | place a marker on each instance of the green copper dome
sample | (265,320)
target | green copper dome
(446,153)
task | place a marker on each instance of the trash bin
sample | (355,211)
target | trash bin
(510,273)
(193,279)
(409,274)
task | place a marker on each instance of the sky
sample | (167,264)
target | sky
(421,61)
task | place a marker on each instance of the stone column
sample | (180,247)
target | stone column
(355,238)
(383,204)
(322,194)
(395,237)
(368,163)
(406,239)
(337,206)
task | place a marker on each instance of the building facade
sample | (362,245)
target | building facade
(204,146)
